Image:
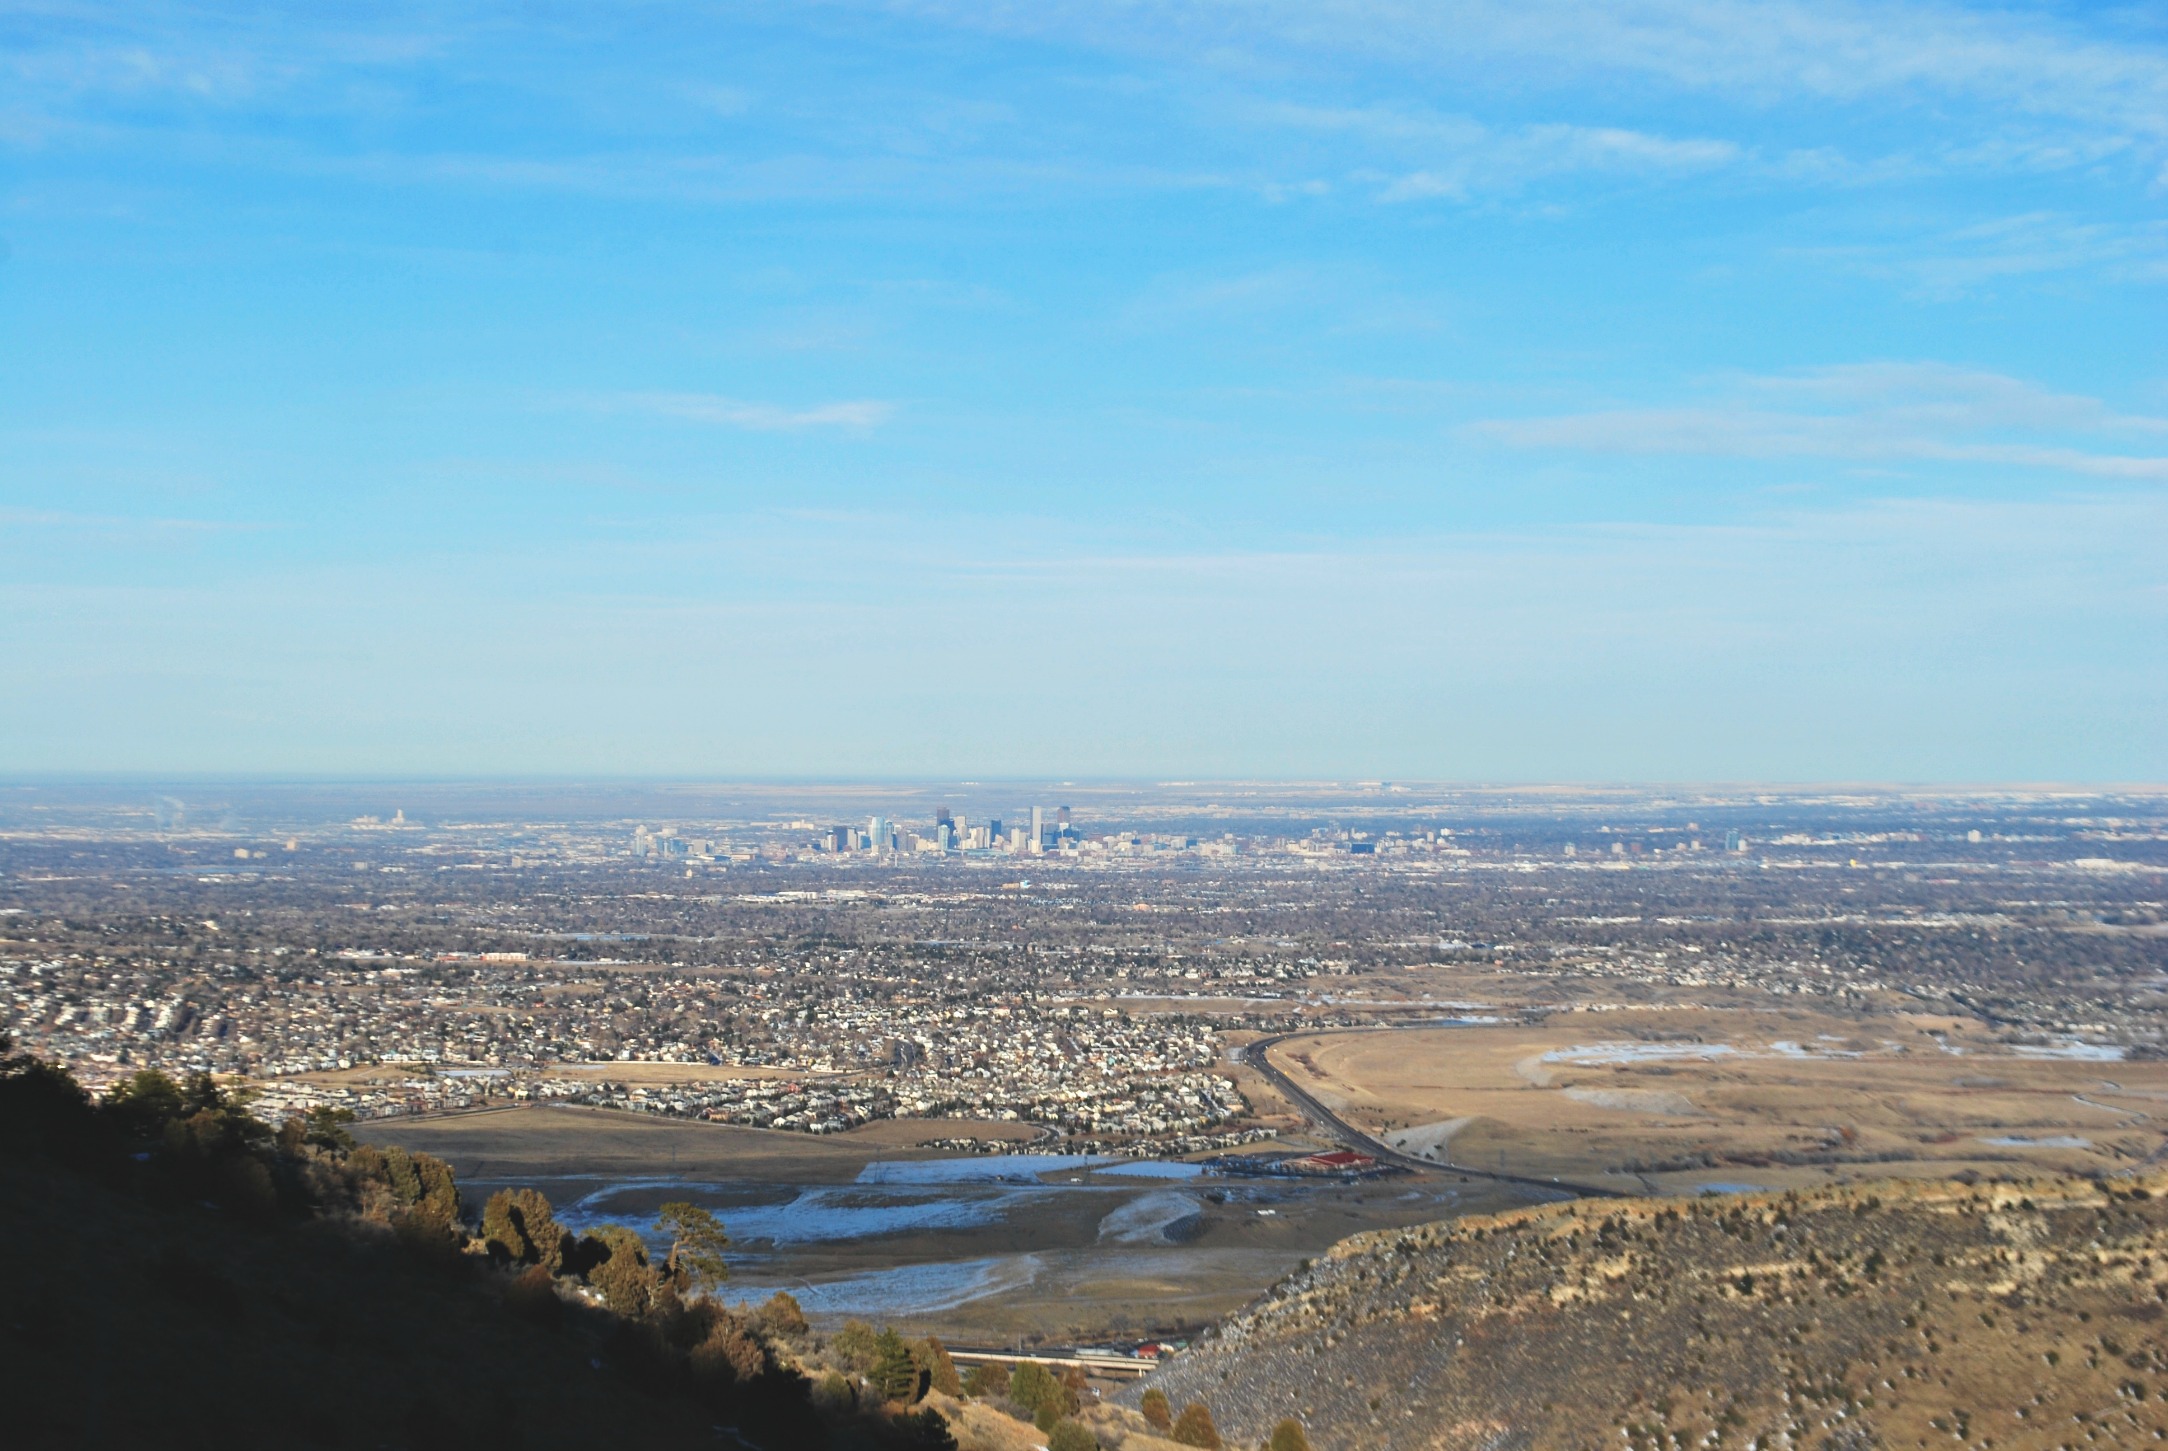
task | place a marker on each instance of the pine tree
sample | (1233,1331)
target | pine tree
(697,1243)
(895,1375)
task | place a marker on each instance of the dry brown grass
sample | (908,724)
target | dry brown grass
(536,1141)
(1879,1092)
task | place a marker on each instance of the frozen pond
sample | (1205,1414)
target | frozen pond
(2039,1141)
(1152,1219)
(979,1169)
(2080,1052)
(1590,1055)
(904,1290)
(1149,1169)
(930,1236)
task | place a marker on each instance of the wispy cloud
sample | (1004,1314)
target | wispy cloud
(1868,412)
(1764,52)
(1954,261)
(1445,155)
(763,417)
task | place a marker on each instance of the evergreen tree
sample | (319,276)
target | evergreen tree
(517,1225)
(940,1369)
(854,1347)
(627,1281)
(895,1375)
(697,1243)
(1031,1387)
(325,1127)
(924,1430)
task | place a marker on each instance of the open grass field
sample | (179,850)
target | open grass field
(1669,1100)
(559,1140)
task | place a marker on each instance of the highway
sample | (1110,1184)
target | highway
(1091,1363)
(1258,1056)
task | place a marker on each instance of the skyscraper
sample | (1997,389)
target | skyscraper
(1038,829)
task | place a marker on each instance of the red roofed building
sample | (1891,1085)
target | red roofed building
(1339,1161)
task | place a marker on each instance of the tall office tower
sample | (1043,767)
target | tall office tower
(1061,819)
(1733,841)
(941,816)
(876,834)
(1038,829)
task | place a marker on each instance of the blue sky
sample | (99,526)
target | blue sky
(1666,389)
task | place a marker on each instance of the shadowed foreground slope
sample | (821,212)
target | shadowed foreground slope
(180,1275)
(2009,1315)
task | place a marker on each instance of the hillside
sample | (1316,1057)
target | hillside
(2022,1314)
(180,1275)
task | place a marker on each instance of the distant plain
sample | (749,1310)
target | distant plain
(1679,1099)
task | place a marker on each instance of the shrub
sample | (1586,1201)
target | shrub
(728,1357)
(1031,1387)
(989,1378)
(1194,1427)
(1071,1436)
(1289,1436)
(933,1358)
(781,1316)
(832,1395)
(622,1272)
(1157,1413)
(518,1226)
(854,1346)
(533,1296)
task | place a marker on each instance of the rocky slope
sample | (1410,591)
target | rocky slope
(2024,1314)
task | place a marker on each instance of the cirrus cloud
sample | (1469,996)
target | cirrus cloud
(763,417)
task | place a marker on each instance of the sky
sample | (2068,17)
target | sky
(1477,390)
